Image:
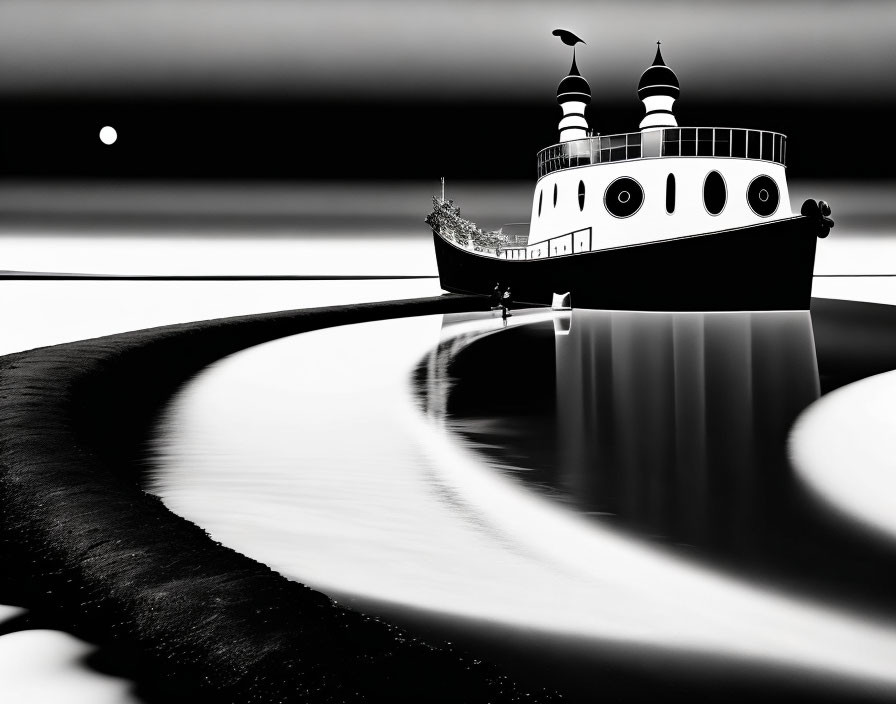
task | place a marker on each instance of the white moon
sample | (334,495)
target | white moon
(108,135)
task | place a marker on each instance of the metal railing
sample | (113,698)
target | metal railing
(728,142)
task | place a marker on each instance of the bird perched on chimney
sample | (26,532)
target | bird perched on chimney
(567,37)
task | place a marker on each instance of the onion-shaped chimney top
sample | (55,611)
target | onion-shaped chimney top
(574,86)
(658,79)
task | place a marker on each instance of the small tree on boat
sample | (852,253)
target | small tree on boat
(446,220)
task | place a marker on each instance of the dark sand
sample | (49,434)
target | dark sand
(190,619)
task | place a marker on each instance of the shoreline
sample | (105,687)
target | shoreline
(64,276)
(122,570)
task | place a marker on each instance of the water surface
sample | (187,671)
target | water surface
(637,501)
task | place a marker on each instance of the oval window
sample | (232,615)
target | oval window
(555,195)
(540,198)
(763,195)
(715,194)
(581,195)
(623,197)
(670,193)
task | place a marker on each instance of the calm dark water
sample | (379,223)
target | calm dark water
(673,428)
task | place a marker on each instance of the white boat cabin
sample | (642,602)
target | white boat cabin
(597,192)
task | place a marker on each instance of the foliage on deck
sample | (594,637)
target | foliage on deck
(446,219)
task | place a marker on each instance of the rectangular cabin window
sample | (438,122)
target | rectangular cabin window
(578,149)
(633,146)
(582,243)
(722,143)
(651,144)
(617,147)
(767,145)
(753,145)
(784,151)
(689,142)
(739,143)
(604,143)
(704,142)
(671,142)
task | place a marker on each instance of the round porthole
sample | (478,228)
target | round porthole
(715,193)
(623,197)
(763,196)
(581,195)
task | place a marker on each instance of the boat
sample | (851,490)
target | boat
(668,218)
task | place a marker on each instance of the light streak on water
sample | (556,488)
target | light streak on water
(844,448)
(310,455)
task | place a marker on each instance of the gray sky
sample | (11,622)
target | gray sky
(451,48)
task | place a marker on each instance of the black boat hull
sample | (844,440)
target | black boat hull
(761,267)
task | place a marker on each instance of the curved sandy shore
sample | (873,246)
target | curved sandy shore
(122,569)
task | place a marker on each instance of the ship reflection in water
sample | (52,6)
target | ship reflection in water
(672,427)
(675,424)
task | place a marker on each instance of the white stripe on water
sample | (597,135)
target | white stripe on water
(310,455)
